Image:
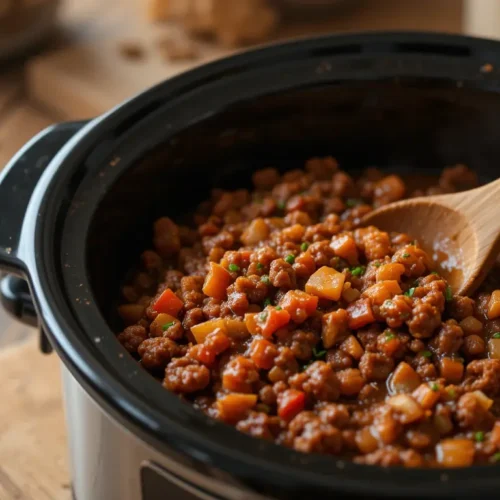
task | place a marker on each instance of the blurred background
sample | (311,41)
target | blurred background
(75,59)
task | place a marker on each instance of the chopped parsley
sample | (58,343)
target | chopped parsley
(263,316)
(479,436)
(426,354)
(304,246)
(260,266)
(234,268)
(278,308)
(281,205)
(358,271)
(376,264)
(495,458)
(267,302)
(434,387)
(448,294)
(265,279)
(435,273)
(166,326)
(406,255)
(319,354)
(496,335)
(410,292)
(290,259)
(352,202)
(452,393)
(389,335)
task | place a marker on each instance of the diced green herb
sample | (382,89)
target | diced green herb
(278,308)
(290,259)
(260,266)
(267,302)
(281,205)
(452,393)
(265,279)
(352,202)
(304,246)
(496,335)
(410,292)
(166,326)
(426,354)
(435,273)
(263,316)
(479,436)
(495,458)
(358,271)
(389,335)
(406,255)
(319,354)
(234,268)
(448,294)
(434,387)
(377,264)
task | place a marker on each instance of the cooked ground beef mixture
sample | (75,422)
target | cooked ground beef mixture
(279,315)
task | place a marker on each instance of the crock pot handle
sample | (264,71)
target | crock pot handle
(17,182)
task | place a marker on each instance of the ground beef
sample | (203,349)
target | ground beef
(280,314)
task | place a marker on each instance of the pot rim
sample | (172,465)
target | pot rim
(176,424)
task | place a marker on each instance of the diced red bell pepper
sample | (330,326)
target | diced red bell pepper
(290,403)
(168,303)
(271,319)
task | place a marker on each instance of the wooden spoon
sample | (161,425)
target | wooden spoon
(461,232)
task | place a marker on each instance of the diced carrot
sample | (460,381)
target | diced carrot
(201,353)
(216,282)
(168,303)
(345,247)
(410,410)
(202,330)
(234,407)
(404,379)
(236,329)
(494,305)
(334,327)
(162,323)
(455,452)
(251,323)
(425,396)
(290,403)
(326,283)
(256,232)
(451,369)
(262,353)
(352,347)
(300,305)
(360,314)
(391,271)
(271,319)
(131,313)
(382,291)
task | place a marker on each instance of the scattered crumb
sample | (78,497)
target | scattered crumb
(486,68)
(178,49)
(132,50)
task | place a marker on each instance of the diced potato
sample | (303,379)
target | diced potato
(425,396)
(131,313)
(483,400)
(202,330)
(326,283)
(334,328)
(382,291)
(451,369)
(455,452)
(404,379)
(350,294)
(236,329)
(410,410)
(360,314)
(216,282)
(344,246)
(391,272)
(443,423)
(366,441)
(300,305)
(494,348)
(471,326)
(256,232)
(234,407)
(352,347)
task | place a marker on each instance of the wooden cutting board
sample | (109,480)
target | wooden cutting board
(91,76)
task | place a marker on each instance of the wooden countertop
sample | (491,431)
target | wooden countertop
(33,461)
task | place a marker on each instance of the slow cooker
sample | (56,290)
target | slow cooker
(77,202)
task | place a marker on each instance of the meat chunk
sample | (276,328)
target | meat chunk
(282,274)
(449,339)
(483,375)
(185,376)
(132,337)
(375,366)
(157,352)
(319,381)
(471,415)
